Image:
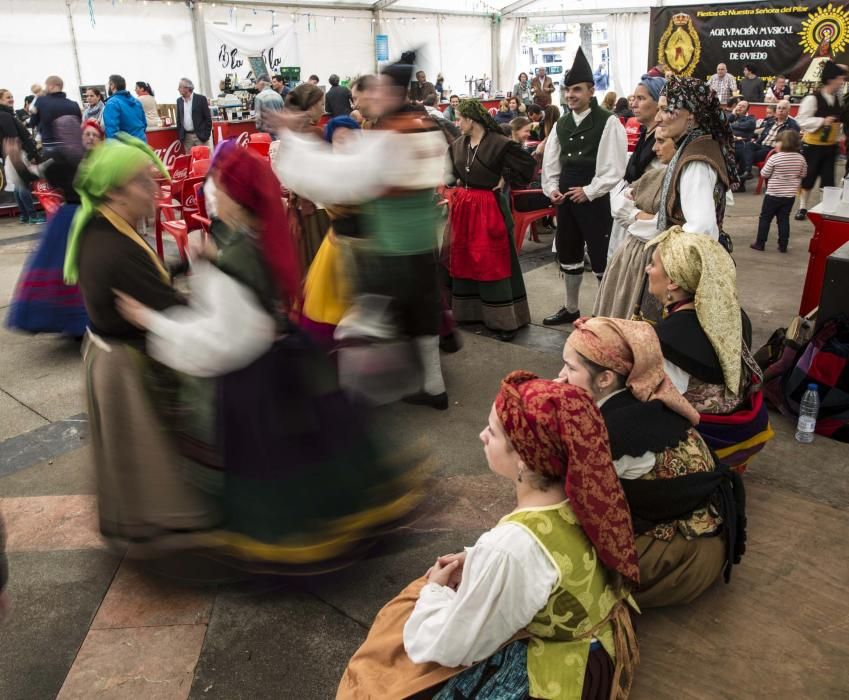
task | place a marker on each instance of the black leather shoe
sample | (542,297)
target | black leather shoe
(505,336)
(561,317)
(437,401)
(782,248)
(450,342)
(801,215)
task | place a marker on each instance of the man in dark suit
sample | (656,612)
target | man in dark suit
(194,122)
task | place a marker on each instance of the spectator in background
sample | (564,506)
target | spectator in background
(364,95)
(11,128)
(52,105)
(520,130)
(508,111)
(451,113)
(535,114)
(751,86)
(37,91)
(278,84)
(743,128)
(609,101)
(542,86)
(723,84)
(194,122)
(337,101)
(549,122)
(771,129)
(430,107)
(313,79)
(623,108)
(94,104)
(522,89)
(123,112)
(421,88)
(24,114)
(779,90)
(144,93)
(267,100)
(439,86)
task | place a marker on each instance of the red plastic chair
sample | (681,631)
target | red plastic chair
(632,131)
(760,167)
(200,217)
(167,221)
(524,219)
(178,171)
(259,137)
(49,198)
(199,153)
(260,147)
(199,167)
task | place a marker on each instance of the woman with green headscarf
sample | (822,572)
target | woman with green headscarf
(486,280)
(143,491)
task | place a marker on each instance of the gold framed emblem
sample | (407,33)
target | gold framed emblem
(680,47)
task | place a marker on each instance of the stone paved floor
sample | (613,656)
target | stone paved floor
(88,622)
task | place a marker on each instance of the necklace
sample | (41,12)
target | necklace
(470,163)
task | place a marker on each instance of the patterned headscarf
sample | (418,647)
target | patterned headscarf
(108,167)
(631,348)
(702,267)
(698,98)
(558,431)
(474,110)
(249,180)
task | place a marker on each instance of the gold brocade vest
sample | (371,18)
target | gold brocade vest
(578,608)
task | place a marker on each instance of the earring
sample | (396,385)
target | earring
(521,472)
(669,296)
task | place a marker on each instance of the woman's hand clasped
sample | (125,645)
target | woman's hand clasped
(448,570)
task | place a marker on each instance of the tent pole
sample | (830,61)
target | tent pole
(74,43)
(496,54)
(201,54)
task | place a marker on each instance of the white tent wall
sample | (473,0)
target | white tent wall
(511,31)
(628,34)
(322,41)
(152,42)
(36,43)
(458,47)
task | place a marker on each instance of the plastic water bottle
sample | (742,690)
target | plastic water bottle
(808,410)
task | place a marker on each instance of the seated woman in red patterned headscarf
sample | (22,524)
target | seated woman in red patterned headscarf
(538,607)
(687,509)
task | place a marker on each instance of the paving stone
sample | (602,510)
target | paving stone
(49,523)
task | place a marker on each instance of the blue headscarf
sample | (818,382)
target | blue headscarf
(654,84)
(338,123)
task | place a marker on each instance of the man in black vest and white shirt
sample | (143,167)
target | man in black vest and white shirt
(585,158)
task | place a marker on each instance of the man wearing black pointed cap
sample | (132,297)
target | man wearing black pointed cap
(819,117)
(392,172)
(585,157)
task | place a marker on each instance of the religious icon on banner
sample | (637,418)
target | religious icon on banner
(680,46)
(826,32)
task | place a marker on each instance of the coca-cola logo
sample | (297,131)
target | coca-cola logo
(243,139)
(43,186)
(180,174)
(191,201)
(170,154)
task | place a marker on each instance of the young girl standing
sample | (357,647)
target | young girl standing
(784,170)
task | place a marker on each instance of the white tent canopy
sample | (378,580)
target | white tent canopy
(160,41)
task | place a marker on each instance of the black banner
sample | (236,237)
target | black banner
(776,38)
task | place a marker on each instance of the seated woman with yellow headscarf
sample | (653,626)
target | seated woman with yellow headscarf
(701,336)
(687,509)
(538,607)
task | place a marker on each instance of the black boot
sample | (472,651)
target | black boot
(801,215)
(561,317)
(437,401)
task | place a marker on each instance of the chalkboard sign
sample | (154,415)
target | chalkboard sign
(258,66)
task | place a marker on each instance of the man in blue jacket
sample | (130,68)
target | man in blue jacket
(52,104)
(123,112)
(743,127)
(770,129)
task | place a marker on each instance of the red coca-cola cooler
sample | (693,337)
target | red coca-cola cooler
(831,231)
(164,141)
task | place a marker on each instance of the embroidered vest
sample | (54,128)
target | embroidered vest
(831,133)
(579,142)
(706,150)
(583,598)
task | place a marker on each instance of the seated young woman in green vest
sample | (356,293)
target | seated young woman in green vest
(538,607)
(687,508)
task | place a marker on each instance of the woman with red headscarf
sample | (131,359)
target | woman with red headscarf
(539,606)
(688,510)
(303,479)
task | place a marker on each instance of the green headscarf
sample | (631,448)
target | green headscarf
(107,167)
(474,110)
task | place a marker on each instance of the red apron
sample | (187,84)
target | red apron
(480,245)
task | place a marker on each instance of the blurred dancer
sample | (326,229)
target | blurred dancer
(303,479)
(42,302)
(393,172)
